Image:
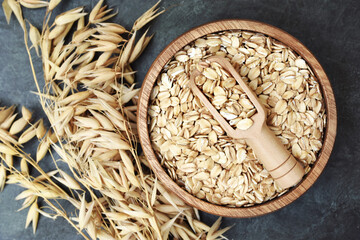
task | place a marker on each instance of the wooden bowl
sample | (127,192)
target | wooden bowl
(296,45)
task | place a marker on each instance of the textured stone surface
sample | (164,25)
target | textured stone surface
(330,29)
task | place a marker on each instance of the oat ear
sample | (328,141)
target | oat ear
(149,15)
(16,9)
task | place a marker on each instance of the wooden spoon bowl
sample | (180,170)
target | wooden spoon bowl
(287,39)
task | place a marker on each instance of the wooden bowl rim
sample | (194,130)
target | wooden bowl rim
(245,25)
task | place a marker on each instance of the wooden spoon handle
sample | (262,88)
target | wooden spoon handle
(277,160)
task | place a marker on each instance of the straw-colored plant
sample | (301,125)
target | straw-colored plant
(89,98)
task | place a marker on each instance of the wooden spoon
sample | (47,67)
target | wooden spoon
(279,162)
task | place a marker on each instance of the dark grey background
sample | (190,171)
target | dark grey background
(330,29)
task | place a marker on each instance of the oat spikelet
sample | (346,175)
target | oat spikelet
(95,11)
(8,122)
(127,51)
(33,216)
(18,126)
(7,149)
(9,160)
(138,48)
(6,113)
(56,31)
(34,35)
(40,129)
(16,9)
(33,3)
(69,181)
(24,167)
(42,149)
(28,134)
(69,16)
(147,17)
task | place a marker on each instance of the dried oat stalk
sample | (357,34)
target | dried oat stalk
(13,133)
(90,101)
